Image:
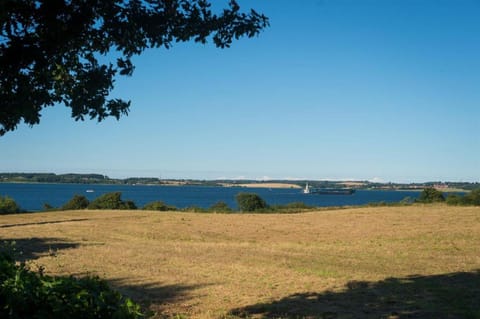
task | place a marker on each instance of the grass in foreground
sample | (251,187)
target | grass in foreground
(385,262)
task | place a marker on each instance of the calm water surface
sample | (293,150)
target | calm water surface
(33,196)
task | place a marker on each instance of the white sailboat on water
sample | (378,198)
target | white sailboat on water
(306,190)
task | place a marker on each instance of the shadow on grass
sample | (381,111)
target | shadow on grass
(152,296)
(155,296)
(33,248)
(451,296)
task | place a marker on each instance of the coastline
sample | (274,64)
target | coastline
(275,185)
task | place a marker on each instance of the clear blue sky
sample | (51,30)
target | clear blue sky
(335,89)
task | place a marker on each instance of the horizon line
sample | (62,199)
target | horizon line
(257,179)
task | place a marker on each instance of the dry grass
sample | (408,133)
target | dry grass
(305,265)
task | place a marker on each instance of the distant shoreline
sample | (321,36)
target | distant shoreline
(99,179)
(173,184)
(272,185)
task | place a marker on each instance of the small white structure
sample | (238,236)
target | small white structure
(306,190)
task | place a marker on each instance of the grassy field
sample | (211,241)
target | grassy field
(385,262)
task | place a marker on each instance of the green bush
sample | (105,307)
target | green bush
(430,195)
(129,204)
(297,205)
(454,199)
(8,206)
(111,201)
(159,205)
(472,198)
(77,202)
(250,202)
(28,294)
(220,207)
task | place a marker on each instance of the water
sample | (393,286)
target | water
(32,197)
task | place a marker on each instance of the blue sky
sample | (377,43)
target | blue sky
(362,89)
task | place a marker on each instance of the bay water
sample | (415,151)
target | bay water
(32,197)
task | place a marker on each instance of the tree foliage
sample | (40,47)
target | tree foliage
(8,205)
(470,199)
(77,202)
(160,206)
(250,202)
(50,49)
(430,195)
(220,207)
(473,197)
(111,201)
(28,294)
(454,199)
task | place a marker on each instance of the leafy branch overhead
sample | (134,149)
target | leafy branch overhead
(50,49)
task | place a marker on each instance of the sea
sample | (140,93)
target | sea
(33,197)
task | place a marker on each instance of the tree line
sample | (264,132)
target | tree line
(432,195)
(246,202)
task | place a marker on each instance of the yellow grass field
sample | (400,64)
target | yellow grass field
(385,262)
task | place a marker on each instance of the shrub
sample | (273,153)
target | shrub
(159,205)
(472,198)
(129,204)
(454,199)
(77,202)
(250,202)
(111,201)
(8,205)
(298,205)
(430,195)
(220,207)
(28,294)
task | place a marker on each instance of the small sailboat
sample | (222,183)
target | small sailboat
(306,190)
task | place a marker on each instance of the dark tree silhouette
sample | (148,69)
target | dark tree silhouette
(250,202)
(49,49)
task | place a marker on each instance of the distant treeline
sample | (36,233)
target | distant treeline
(73,179)
(96,179)
(246,202)
(103,179)
(54,178)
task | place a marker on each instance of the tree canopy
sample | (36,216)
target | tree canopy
(50,49)
(250,202)
(430,195)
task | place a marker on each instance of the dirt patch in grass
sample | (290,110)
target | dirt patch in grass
(353,263)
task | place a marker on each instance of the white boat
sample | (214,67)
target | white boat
(306,190)
(89,191)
